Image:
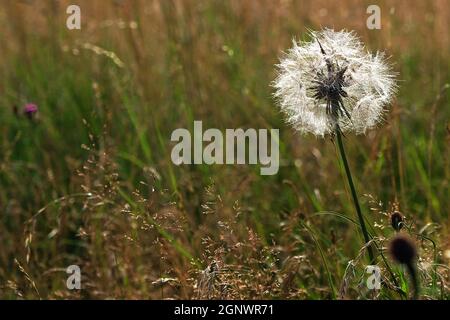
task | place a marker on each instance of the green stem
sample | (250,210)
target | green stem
(353,191)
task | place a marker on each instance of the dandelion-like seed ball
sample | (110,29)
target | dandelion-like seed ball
(396,220)
(403,250)
(331,83)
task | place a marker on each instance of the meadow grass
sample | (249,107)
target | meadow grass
(90,181)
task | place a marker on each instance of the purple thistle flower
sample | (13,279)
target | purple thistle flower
(30,109)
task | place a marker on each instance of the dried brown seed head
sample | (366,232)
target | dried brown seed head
(403,250)
(396,220)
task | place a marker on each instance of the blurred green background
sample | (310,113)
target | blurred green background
(89,180)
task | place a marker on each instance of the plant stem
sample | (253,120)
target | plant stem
(353,191)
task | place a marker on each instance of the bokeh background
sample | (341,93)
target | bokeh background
(88,180)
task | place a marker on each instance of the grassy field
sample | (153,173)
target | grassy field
(89,181)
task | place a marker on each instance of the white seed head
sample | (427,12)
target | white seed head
(333,80)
